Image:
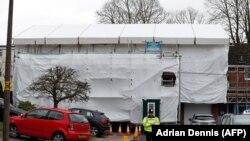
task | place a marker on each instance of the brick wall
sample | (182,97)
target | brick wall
(239,55)
(236,78)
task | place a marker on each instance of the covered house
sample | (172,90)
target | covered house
(130,67)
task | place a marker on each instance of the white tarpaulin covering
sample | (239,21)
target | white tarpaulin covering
(133,33)
(210,34)
(203,77)
(123,33)
(65,34)
(174,34)
(35,34)
(118,82)
(105,34)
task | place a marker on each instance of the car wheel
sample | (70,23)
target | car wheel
(58,137)
(94,130)
(13,131)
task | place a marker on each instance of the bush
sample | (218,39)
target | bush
(26,105)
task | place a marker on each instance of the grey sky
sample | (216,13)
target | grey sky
(31,12)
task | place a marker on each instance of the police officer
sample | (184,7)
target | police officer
(148,121)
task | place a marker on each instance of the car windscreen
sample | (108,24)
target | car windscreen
(241,120)
(204,117)
(77,118)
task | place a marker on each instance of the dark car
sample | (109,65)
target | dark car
(13,110)
(202,119)
(234,119)
(99,123)
(52,124)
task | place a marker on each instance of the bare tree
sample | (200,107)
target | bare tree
(245,18)
(132,11)
(60,83)
(234,15)
(187,16)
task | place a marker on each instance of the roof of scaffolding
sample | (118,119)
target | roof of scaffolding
(123,34)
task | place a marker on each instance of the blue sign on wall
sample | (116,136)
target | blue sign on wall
(153,47)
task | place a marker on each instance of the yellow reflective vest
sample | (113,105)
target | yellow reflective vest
(148,122)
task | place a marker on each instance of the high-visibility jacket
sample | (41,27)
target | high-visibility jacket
(148,122)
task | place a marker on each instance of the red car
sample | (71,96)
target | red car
(50,123)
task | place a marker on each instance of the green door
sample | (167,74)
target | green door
(151,104)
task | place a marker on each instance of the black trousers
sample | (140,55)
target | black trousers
(148,136)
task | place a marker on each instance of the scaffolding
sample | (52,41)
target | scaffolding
(238,87)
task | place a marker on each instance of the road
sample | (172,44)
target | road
(106,138)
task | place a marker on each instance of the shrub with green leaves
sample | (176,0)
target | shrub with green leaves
(26,105)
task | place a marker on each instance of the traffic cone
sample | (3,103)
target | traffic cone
(119,130)
(135,136)
(136,131)
(139,132)
(125,138)
(110,130)
(128,131)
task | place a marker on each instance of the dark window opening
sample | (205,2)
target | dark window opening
(168,79)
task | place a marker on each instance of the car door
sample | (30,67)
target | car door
(34,122)
(225,120)
(54,122)
(89,115)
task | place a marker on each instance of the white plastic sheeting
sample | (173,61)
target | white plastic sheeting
(123,33)
(174,34)
(210,34)
(36,34)
(105,34)
(65,34)
(203,74)
(137,34)
(118,82)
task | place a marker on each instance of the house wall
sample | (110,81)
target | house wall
(239,89)
(236,78)
(238,95)
(239,55)
(199,66)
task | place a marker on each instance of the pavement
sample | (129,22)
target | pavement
(114,137)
